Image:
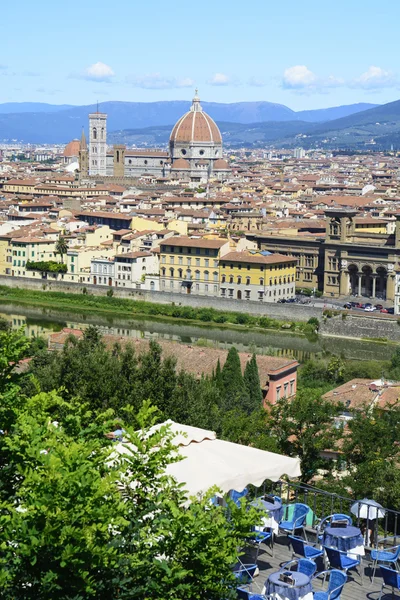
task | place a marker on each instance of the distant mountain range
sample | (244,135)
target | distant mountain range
(46,123)
(374,129)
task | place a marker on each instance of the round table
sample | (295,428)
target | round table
(301,590)
(275,514)
(347,539)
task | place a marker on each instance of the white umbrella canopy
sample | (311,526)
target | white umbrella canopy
(208,461)
(367,509)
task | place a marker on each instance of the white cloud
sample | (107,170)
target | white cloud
(98,72)
(156,81)
(298,77)
(220,79)
(374,78)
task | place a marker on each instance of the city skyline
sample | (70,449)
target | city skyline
(304,56)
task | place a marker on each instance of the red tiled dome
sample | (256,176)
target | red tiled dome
(196,126)
(72,148)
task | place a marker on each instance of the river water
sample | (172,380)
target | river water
(43,321)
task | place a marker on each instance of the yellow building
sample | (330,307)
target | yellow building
(257,276)
(35,249)
(79,262)
(191,265)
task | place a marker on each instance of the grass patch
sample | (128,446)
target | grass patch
(140,308)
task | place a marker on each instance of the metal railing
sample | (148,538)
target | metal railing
(323,504)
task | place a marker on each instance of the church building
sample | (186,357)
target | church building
(195,151)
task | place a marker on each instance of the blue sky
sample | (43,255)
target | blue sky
(308,54)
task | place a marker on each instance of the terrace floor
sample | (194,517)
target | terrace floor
(353,589)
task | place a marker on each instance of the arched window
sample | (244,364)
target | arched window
(247,280)
(231,279)
(102,133)
(163,272)
(215,276)
(152,285)
(239,280)
(206,275)
(197,274)
(180,273)
(94,133)
(261,281)
(117,156)
(223,278)
(171,272)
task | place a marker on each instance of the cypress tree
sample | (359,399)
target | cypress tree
(218,379)
(251,380)
(234,390)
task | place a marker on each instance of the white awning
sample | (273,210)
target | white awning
(208,462)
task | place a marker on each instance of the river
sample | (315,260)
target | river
(43,321)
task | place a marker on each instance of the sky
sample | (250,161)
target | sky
(306,55)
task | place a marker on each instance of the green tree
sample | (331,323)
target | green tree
(61,247)
(252,384)
(74,526)
(372,453)
(304,427)
(234,392)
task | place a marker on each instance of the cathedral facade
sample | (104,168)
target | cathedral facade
(195,151)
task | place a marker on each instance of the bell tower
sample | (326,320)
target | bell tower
(83,157)
(97,143)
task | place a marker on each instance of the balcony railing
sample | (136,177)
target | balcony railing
(323,504)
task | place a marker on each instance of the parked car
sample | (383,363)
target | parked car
(348,305)
(291,300)
(281,301)
(361,305)
(378,306)
(384,310)
(354,304)
(390,311)
(369,309)
(367,305)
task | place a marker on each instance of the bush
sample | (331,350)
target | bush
(318,294)
(110,293)
(205,314)
(220,319)
(46,266)
(84,291)
(265,322)
(242,319)
(313,321)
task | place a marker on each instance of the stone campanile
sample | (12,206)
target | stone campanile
(97,143)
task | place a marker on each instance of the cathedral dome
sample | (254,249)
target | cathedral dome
(180,163)
(72,148)
(196,126)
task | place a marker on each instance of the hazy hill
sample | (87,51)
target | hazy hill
(56,124)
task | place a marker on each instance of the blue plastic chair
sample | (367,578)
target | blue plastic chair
(236,496)
(390,579)
(298,520)
(303,565)
(339,560)
(260,537)
(390,555)
(337,579)
(326,521)
(301,548)
(244,573)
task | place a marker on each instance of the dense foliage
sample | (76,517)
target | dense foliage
(48,266)
(76,523)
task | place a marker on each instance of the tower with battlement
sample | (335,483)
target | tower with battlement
(97,144)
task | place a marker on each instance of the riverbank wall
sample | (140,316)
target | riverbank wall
(282,312)
(360,326)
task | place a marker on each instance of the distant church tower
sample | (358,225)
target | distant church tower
(97,143)
(83,157)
